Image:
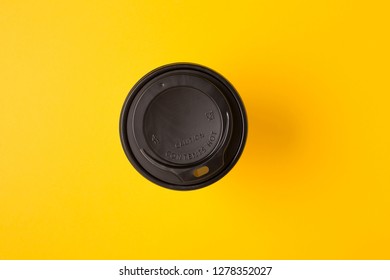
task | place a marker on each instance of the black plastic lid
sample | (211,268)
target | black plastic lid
(183,126)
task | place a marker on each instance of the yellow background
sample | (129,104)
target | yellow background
(313,181)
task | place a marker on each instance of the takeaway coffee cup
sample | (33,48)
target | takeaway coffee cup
(183,126)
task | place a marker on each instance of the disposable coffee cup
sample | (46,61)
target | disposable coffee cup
(183,126)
